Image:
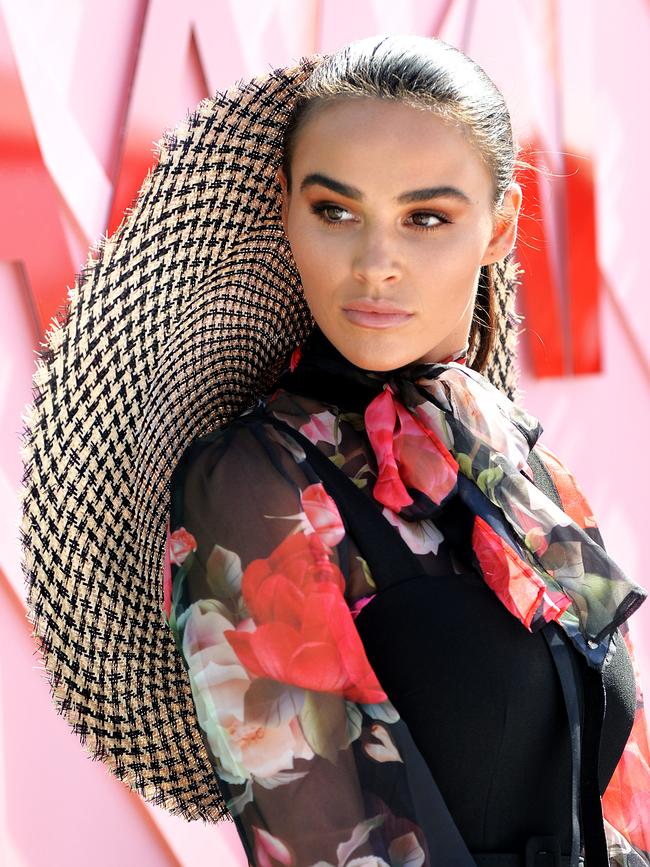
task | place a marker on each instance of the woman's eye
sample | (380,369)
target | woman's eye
(334,215)
(432,221)
(329,213)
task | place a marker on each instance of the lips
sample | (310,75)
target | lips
(364,305)
(375,314)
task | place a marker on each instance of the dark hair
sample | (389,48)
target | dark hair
(426,73)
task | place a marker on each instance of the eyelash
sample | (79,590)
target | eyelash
(320,209)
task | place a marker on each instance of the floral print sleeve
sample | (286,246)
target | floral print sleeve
(302,738)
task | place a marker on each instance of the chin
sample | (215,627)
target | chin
(374,349)
(376,358)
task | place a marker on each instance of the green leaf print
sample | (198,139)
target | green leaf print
(359,836)
(324,723)
(465,464)
(366,572)
(354,721)
(178,580)
(593,609)
(224,573)
(384,711)
(354,419)
(488,479)
(271,703)
(236,805)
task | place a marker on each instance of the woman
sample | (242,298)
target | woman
(362,563)
(388,623)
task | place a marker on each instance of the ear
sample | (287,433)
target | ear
(282,180)
(505,226)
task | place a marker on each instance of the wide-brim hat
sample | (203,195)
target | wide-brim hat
(178,321)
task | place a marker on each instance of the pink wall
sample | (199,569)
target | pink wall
(87,88)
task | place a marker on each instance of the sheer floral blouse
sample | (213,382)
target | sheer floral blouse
(364,694)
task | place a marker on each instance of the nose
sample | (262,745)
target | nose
(375,260)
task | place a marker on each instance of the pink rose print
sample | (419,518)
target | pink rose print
(359,604)
(270,849)
(322,514)
(244,747)
(182,543)
(627,798)
(385,750)
(305,635)
(178,545)
(322,427)
(516,584)
(408,455)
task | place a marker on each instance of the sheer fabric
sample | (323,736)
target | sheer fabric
(264,586)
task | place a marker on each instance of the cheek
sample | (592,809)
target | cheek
(446,281)
(317,273)
(454,253)
(311,256)
(445,276)
(310,244)
(322,262)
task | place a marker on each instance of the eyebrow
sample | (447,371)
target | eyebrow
(447,192)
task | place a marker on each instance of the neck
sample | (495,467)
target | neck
(317,343)
(317,369)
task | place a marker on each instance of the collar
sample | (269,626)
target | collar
(317,369)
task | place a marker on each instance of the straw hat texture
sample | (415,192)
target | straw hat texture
(176,324)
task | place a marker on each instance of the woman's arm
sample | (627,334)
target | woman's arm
(304,744)
(626,801)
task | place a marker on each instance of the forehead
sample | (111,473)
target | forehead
(386,144)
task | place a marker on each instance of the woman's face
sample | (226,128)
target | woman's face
(389,221)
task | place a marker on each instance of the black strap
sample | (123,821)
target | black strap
(564,665)
(585,729)
(595,841)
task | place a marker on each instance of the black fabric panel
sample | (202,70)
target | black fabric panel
(482,700)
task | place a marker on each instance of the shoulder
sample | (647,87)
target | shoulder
(572,497)
(248,457)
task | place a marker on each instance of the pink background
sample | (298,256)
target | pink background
(86,89)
